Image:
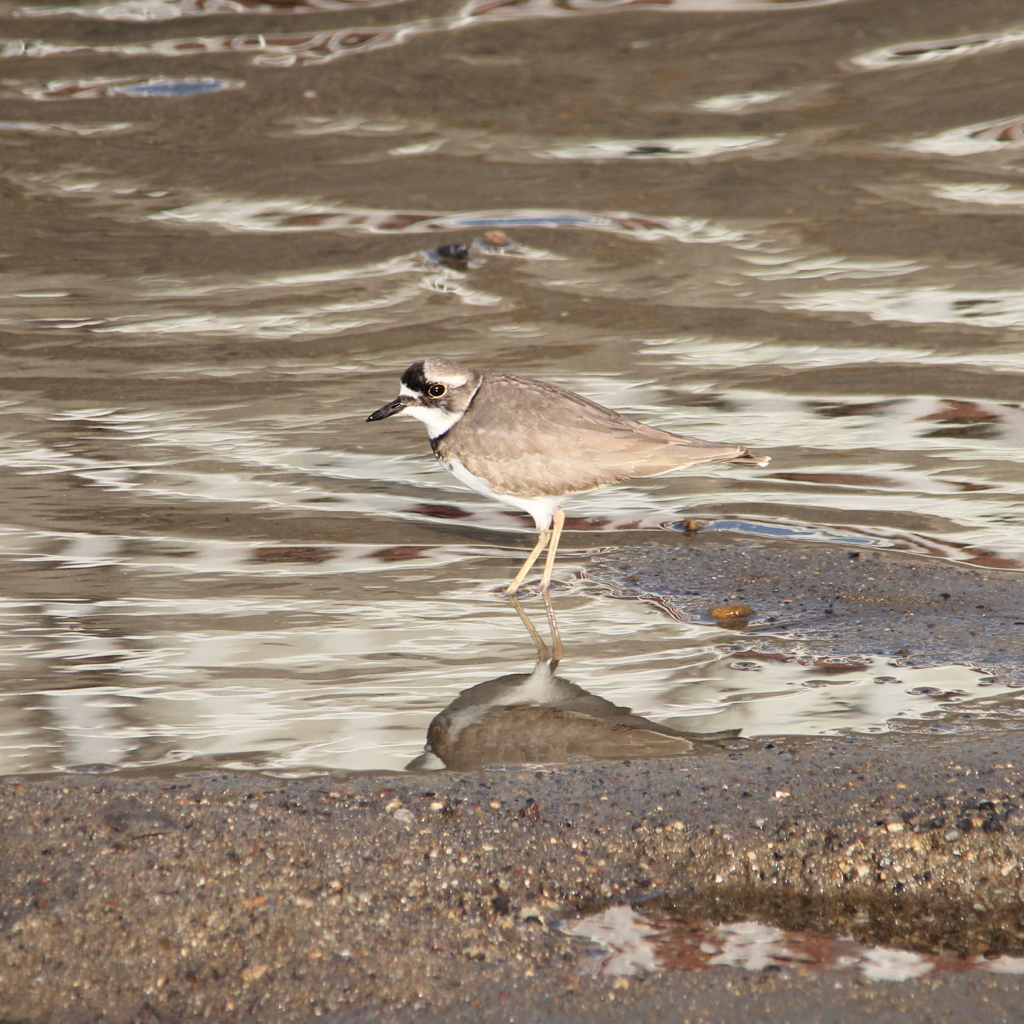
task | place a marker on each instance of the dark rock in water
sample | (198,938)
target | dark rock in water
(453,251)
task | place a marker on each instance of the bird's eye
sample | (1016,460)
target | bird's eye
(436,390)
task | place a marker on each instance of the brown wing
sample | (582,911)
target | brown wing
(537,438)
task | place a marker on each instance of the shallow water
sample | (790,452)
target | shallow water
(631,943)
(796,225)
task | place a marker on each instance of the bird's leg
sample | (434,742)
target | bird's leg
(556,639)
(558,521)
(532,557)
(538,640)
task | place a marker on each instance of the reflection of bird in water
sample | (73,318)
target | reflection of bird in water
(539,717)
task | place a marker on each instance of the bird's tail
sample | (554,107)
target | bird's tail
(748,458)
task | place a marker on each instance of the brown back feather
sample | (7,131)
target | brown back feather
(534,438)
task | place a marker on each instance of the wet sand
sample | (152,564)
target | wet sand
(438,895)
(433,897)
(834,599)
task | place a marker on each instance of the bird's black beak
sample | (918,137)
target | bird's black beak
(387,410)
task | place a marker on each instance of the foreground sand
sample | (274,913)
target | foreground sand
(435,897)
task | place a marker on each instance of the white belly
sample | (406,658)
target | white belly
(541,508)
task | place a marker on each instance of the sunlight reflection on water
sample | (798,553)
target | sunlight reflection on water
(722,224)
(634,943)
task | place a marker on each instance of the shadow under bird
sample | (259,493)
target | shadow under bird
(531,444)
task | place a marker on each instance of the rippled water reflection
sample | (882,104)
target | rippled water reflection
(632,943)
(794,224)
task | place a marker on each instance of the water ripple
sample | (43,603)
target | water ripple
(987,137)
(560,8)
(932,50)
(791,267)
(268,50)
(136,85)
(169,10)
(927,305)
(981,193)
(693,148)
(738,102)
(42,128)
(317,48)
(287,215)
(428,138)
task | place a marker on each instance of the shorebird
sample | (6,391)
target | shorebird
(537,717)
(531,444)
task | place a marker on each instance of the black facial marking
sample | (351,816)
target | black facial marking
(414,379)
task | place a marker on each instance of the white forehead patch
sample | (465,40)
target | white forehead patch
(437,421)
(404,392)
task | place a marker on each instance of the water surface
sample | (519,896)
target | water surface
(796,225)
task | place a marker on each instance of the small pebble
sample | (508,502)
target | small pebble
(453,251)
(530,811)
(731,611)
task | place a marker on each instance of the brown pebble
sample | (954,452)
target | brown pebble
(496,237)
(530,810)
(691,525)
(731,611)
